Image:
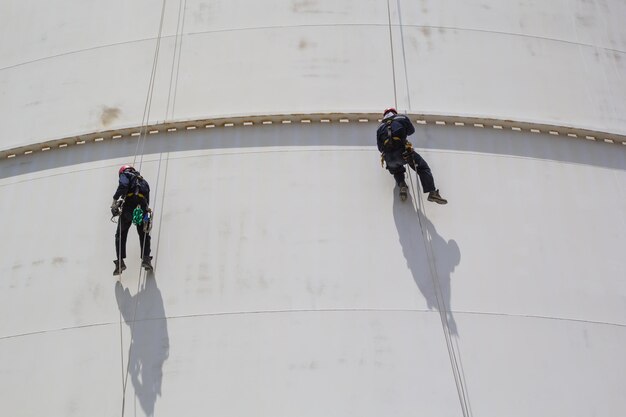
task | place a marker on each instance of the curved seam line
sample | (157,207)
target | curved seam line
(308,26)
(330,310)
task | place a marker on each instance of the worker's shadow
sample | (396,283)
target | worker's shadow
(149,346)
(414,247)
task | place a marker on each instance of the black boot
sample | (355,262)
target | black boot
(434,196)
(147,264)
(119,267)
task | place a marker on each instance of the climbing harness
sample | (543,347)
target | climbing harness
(392,142)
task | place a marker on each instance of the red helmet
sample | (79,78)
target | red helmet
(124,168)
(390,110)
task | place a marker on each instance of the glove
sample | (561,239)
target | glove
(115,208)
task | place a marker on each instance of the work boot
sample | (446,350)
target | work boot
(119,267)
(434,196)
(404,190)
(147,264)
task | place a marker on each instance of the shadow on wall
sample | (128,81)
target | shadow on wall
(149,347)
(464,139)
(446,257)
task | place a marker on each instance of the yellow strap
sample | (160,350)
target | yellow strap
(139,194)
(387,140)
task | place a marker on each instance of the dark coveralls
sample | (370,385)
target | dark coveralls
(132,200)
(394,152)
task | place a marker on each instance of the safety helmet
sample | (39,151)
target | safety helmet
(124,168)
(390,110)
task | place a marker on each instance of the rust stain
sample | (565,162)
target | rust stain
(109,115)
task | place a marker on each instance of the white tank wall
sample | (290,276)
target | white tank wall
(74,67)
(290,280)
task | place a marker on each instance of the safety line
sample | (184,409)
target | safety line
(132,328)
(459,379)
(122,355)
(142,274)
(158,229)
(452,347)
(453,351)
(406,72)
(148,105)
(393,65)
(180,51)
(178,46)
(141,282)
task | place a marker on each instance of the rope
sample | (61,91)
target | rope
(139,150)
(156,247)
(452,346)
(451,343)
(141,280)
(132,328)
(406,72)
(178,48)
(393,65)
(140,283)
(148,104)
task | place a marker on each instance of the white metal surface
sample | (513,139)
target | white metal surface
(290,280)
(78,68)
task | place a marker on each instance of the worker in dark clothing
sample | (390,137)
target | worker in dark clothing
(133,192)
(397,151)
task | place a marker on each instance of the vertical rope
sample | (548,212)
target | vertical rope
(140,142)
(406,72)
(393,64)
(457,369)
(156,249)
(140,281)
(122,359)
(148,104)
(177,47)
(459,378)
